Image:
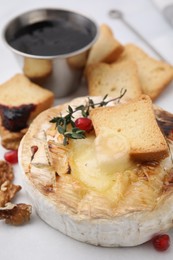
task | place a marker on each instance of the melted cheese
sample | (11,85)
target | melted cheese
(88,168)
(112,151)
(131,186)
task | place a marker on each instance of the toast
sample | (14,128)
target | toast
(11,140)
(20,102)
(136,121)
(106,49)
(110,79)
(78,61)
(154,75)
(37,69)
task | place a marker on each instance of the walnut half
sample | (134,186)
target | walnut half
(16,214)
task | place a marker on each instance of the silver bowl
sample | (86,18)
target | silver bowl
(59,71)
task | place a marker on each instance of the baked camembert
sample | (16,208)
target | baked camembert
(112,187)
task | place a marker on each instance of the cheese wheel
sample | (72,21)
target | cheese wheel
(82,200)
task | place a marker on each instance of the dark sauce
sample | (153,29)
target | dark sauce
(15,119)
(49,38)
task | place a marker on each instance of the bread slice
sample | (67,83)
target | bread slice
(106,48)
(22,100)
(37,69)
(11,140)
(154,75)
(19,90)
(136,121)
(78,61)
(110,79)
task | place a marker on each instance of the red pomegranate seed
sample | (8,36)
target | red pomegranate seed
(84,123)
(161,242)
(11,156)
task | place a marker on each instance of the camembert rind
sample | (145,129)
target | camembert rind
(128,230)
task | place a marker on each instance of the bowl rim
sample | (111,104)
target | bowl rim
(50,57)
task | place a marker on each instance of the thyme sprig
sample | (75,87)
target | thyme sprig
(62,122)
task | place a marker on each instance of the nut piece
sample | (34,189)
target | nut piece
(7,189)
(6,172)
(17,215)
(14,214)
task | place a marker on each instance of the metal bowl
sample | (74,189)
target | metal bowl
(60,72)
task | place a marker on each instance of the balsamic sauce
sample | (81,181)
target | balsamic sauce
(15,119)
(49,38)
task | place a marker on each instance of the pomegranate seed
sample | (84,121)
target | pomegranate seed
(161,242)
(11,156)
(84,123)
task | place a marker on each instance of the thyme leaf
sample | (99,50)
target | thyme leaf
(62,122)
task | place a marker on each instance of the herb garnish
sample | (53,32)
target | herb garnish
(62,122)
